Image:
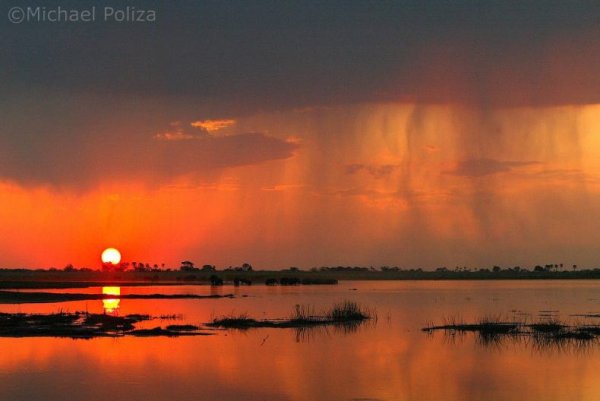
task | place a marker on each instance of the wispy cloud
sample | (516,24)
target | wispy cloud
(483,167)
(212,125)
(176,133)
(183,133)
(375,170)
(283,187)
(174,136)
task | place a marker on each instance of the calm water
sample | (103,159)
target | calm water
(391,359)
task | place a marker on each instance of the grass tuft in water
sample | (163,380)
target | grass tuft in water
(347,312)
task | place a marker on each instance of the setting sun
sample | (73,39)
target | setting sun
(111,255)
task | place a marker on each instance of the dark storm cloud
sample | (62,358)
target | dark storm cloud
(229,58)
(152,161)
(247,55)
(80,141)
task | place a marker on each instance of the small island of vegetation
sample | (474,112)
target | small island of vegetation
(492,330)
(84,325)
(90,325)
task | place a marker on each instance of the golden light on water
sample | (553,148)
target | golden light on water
(111,305)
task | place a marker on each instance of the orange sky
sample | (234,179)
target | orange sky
(419,134)
(407,184)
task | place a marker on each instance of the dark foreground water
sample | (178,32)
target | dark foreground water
(390,359)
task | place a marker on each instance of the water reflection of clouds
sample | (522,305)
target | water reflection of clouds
(393,361)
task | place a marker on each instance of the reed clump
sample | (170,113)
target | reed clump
(347,312)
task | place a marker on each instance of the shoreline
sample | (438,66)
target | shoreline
(35,279)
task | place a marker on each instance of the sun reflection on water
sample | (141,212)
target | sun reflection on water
(111,305)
